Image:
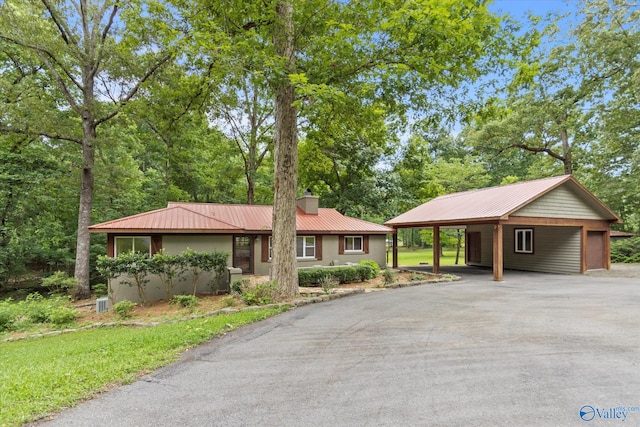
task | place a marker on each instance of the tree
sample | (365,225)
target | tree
(242,108)
(83,49)
(405,56)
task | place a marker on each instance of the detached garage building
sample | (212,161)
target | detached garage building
(550,225)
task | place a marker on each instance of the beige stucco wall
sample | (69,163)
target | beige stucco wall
(173,245)
(377,252)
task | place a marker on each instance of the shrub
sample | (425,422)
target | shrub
(626,250)
(188,301)
(59,283)
(328,284)
(124,309)
(260,293)
(416,277)
(389,276)
(205,262)
(228,301)
(169,268)
(343,274)
(36,309)
(238,285)
(100,290)
(8,314)
(61,315)
(374,265)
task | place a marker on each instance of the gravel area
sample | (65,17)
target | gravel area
(618,270)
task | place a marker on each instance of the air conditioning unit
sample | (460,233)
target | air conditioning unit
(102,305)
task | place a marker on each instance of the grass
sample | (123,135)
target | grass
(43,375)
(415,256)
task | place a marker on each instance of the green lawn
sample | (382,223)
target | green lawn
(416,256)
(42,375)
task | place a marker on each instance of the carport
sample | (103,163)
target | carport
(550,225)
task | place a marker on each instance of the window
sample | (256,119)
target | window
(353,244)
(524,241)
(305,247)
(140,244)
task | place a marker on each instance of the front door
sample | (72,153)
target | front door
(243,253)
(595,250)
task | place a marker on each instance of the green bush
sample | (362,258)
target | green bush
(260,293)
(343,274)
(238,285)
(389,276)
(187,301)
(8,314)
(36,309)
(100,290)
(626,250)
(59,283)
(124,309)
(374,265)
(61,315)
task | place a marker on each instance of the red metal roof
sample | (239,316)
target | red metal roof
(486,204)
(219,218)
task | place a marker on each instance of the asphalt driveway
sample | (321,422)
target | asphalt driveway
(536,349)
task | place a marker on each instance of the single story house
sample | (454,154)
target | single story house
(324,236)
(550,225)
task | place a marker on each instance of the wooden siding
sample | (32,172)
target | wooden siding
(555,250)
(486,244)
(562,202)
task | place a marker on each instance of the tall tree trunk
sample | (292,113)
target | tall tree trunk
(283,267)
(83,243)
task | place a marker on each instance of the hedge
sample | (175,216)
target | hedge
(343,274)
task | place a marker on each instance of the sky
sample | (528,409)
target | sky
(519,8)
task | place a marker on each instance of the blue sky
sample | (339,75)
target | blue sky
(519,8)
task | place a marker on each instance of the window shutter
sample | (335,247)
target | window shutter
(365,244)
(156,243)
(340,245)
(319,248)
(110,245)
(265,247)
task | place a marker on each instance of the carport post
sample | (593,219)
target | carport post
(498,264)
(436,249)
(395,249)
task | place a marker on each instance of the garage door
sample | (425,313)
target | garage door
(595,250)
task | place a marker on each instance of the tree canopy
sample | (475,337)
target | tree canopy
(111,109)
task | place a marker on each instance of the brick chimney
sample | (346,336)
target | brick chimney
(308,203)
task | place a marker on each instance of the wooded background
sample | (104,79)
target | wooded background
(109,109)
